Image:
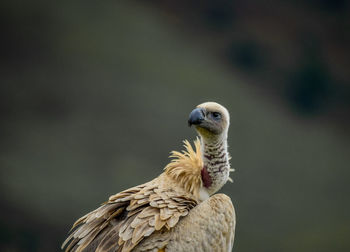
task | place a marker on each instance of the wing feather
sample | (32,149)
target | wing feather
(127,218)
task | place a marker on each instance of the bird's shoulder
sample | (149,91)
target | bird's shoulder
(128,217)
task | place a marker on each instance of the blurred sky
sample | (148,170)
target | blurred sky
(94,95)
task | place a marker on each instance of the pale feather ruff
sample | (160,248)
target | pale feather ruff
(186,167)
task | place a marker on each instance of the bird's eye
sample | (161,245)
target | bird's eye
(216,115)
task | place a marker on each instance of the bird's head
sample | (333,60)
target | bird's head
(211,120)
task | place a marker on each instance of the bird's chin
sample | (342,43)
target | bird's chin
(206,132)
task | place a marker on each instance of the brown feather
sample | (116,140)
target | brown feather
(139,231)
(158,224)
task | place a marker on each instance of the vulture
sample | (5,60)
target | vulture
(178,210)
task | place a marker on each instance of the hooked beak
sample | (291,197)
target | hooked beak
(197,116)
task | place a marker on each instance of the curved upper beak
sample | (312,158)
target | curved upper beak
(197,116)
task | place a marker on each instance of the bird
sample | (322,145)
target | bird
(176,211)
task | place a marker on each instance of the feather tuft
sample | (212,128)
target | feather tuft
(185,167)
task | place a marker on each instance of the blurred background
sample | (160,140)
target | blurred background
(95,94)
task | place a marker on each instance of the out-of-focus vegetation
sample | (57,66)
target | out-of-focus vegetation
(94,95)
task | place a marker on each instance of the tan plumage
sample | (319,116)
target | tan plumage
(171,212)
(208,227)
(186,167)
